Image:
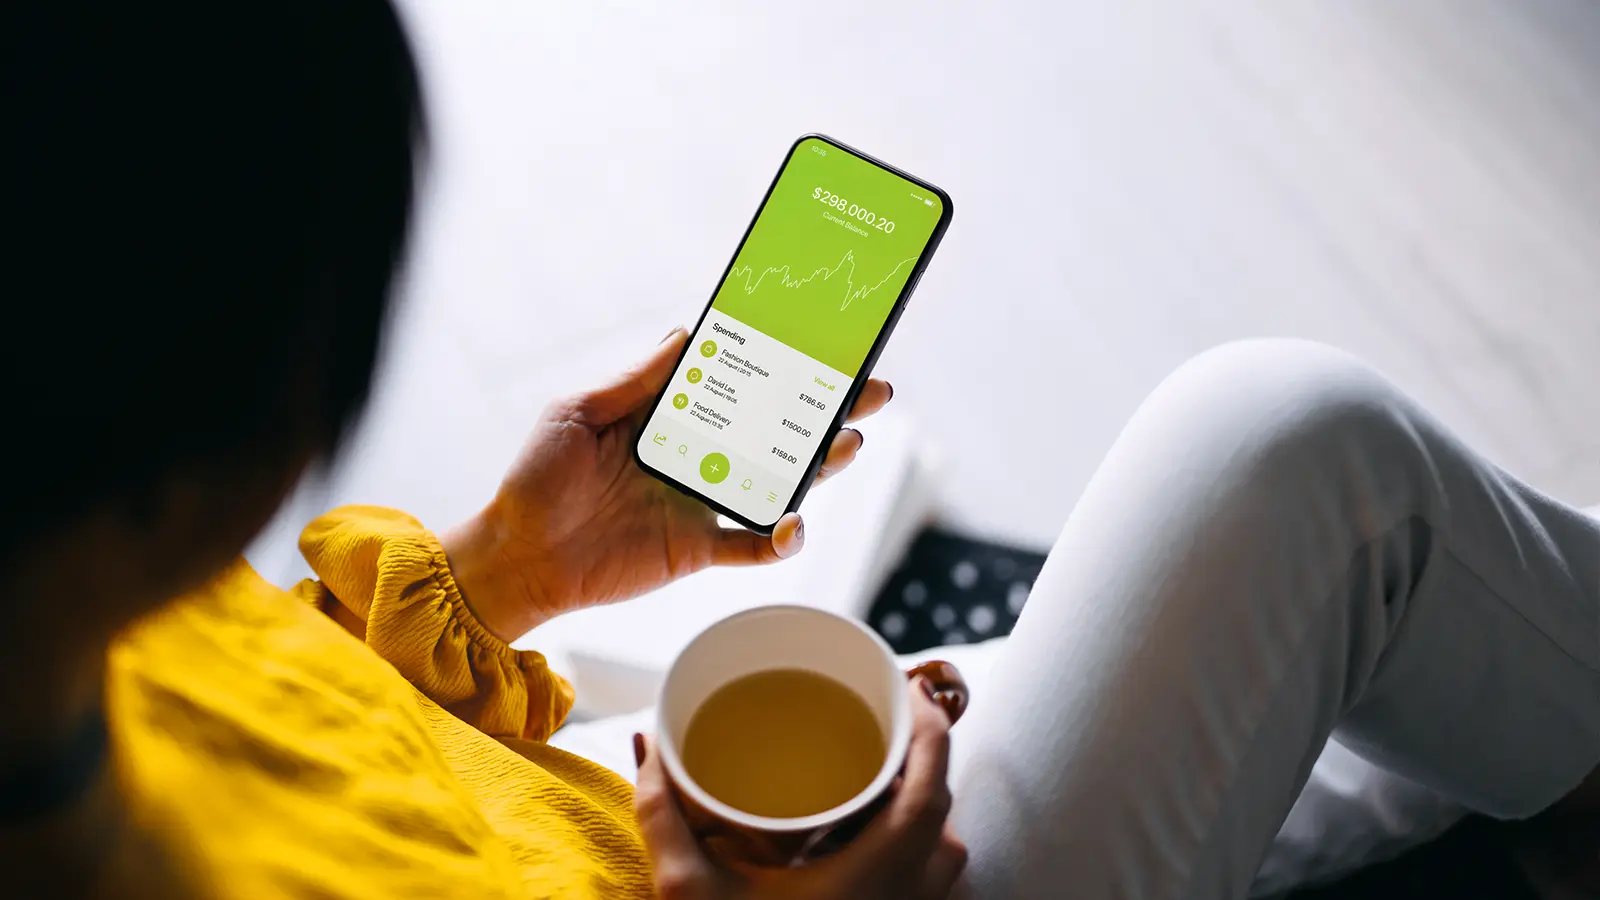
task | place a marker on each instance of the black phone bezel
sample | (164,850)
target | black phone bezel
(856,386)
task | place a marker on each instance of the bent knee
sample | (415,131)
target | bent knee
(1289,406)
(1288,389)
(1282,378)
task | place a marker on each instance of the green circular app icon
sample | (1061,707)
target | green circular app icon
(708,349)
(714,468)
(680,401)
(694,376)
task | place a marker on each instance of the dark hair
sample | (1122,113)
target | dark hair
(206,203)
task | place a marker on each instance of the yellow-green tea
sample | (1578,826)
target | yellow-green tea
(783,743)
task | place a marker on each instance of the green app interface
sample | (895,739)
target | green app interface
(789,328)
(829,255)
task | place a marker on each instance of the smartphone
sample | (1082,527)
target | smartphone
(803,309)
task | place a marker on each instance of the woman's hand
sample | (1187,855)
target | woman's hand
(577,523)
(906,853)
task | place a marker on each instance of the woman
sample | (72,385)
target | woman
(215,199)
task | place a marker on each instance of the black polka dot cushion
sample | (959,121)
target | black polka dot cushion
(952,590)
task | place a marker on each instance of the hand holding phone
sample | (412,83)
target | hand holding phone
(576,523)
(792,331)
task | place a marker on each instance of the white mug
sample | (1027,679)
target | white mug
(792,637)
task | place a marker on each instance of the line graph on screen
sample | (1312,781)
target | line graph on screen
(783,277)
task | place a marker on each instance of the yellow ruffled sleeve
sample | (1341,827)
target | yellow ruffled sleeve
(388,570)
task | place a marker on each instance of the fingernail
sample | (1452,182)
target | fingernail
(678,328)
(926,687)
(800,532)
(861,439)
(638,749)
(891,389)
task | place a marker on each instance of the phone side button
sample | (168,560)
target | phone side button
(912,287)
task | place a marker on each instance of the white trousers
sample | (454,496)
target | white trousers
(1280,548)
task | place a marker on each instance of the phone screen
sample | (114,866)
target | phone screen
(792,328)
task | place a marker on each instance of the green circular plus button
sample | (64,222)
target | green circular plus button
(680,401)
(708,349)
(714,468)
(694,376)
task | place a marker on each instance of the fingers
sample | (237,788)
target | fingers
(915,818)
(633,389)
(875,396)
(925,796)
(947,864)
(737,547)
(675,856)
(847,443)
(842,452)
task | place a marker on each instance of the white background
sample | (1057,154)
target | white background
(1132,181)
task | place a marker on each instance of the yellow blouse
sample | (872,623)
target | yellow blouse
(284,758)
